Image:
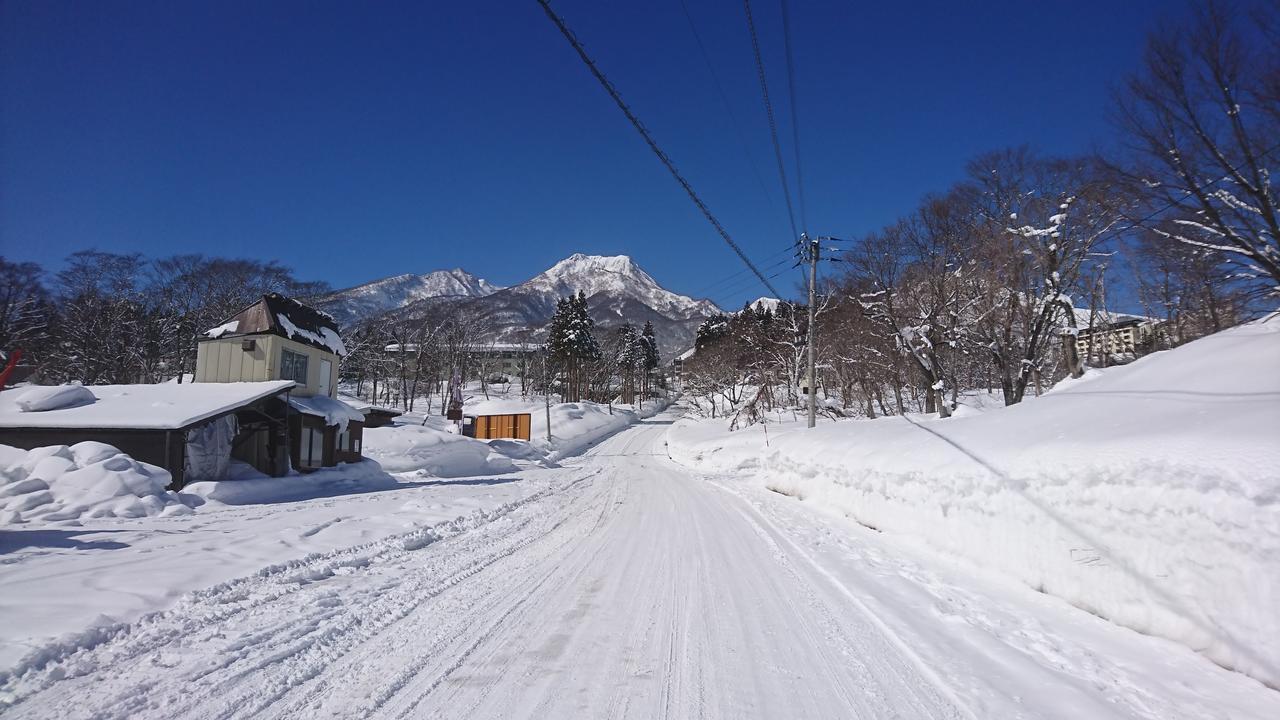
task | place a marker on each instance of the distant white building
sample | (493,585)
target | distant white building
(507,359)
(1109,338)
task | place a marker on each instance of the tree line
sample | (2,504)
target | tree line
(411,360)
(122,318)
(983,286)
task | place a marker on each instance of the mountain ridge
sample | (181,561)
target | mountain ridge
(618,291)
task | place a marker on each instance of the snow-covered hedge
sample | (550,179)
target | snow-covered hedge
(1147,494)
(85,480)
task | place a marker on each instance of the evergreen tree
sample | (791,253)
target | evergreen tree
(572,344)
(650,351)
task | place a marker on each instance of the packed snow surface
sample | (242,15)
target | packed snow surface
(618,584)
(83,481)
(160,406)
(1147,494)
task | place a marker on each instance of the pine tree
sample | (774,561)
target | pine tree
(571,342)
(650,351)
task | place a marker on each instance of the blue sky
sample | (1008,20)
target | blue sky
(358,141)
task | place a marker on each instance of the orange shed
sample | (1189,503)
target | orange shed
(490,427)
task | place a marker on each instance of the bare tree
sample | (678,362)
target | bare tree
(1202,120)
(25,307)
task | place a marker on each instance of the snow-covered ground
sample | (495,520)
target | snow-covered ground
(509,579)
(624,586)
(1147,494)
(60,502)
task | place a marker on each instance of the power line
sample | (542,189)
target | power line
(732,292)
(653,145)
(734,276)
(736,287)
(728,106)
(795,122)
(768,110)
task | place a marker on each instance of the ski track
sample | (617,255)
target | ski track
(626,589)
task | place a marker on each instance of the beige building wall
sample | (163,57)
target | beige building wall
(225,360)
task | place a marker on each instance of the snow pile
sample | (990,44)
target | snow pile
(40,398)
(1148,494)
(431,451)
(86,480)
(246,486)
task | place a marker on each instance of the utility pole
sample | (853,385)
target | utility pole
(546,393)
(813,248)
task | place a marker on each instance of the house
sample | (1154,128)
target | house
(192,430)
(278,338)
(678,365)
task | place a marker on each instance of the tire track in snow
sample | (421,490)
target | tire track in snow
(122,645)
(774,536)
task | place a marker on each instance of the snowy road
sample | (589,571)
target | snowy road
(629,587)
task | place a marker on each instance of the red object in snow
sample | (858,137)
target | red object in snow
(8,368)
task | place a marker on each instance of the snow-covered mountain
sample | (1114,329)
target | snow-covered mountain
(362,302)
(765,303)
(618,291)
(616,276)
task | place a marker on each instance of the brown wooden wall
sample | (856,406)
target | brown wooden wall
(145,445)
(490,427)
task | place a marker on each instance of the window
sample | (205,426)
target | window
(293,366)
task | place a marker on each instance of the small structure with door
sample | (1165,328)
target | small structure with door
(492,427)
(278,338)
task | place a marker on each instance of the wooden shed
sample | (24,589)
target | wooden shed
(193,430)
(492,427)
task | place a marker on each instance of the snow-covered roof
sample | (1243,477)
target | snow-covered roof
(164,406)
(1107,317)
(687,354)
(278,315)
(365,406)
(334,412)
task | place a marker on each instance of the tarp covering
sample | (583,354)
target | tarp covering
(209,450)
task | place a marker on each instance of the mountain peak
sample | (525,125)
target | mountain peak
(579,262)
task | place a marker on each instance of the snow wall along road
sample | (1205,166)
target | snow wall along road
(1147,494)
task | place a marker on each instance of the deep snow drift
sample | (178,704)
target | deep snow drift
(1148,494)
(86,480)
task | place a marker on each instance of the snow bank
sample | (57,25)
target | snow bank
(86,480)
(431,451)
(54,397)
(247,486)
(1148,494)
